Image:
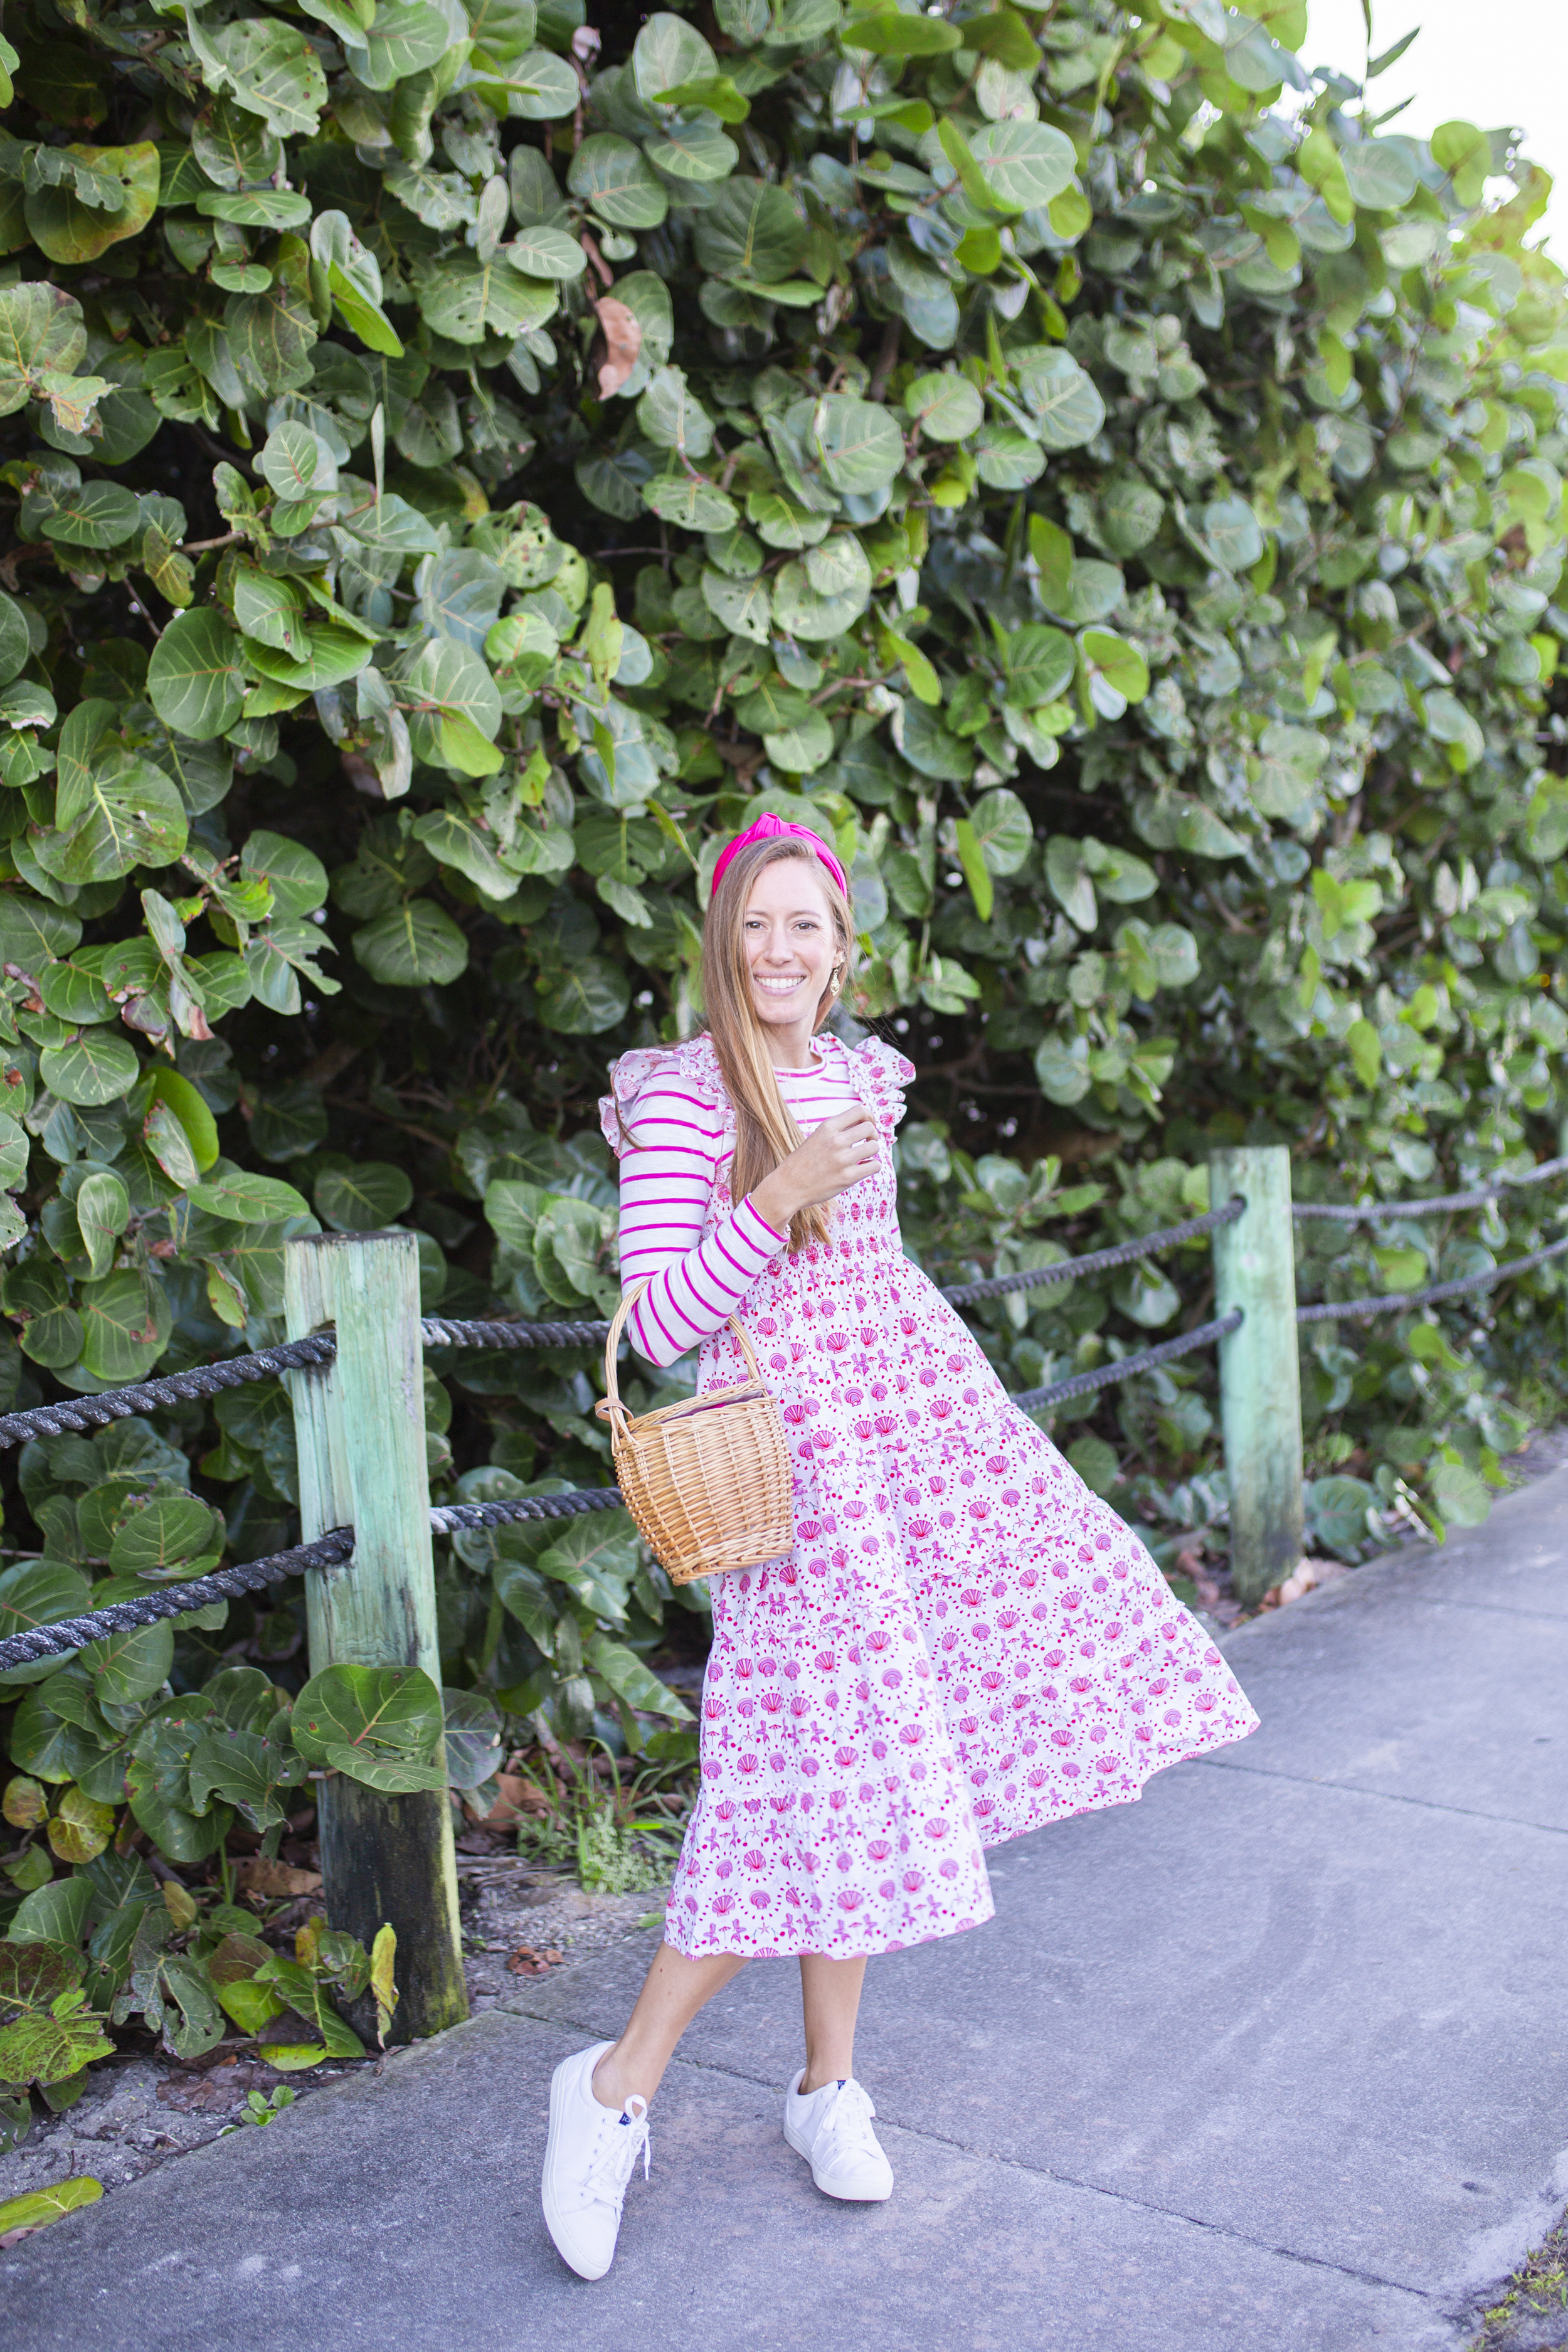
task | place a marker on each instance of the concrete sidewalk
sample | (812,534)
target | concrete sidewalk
(1277,2057)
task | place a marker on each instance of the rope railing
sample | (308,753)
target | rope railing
(1104,1376)
(333,1549)
(83,1413)
(1366,1213)
(25,1649)
(1400,1302)
(1067,1269)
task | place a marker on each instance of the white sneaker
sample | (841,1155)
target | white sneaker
(590,2157)
(832,2129)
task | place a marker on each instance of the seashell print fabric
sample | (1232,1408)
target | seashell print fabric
(965,1642)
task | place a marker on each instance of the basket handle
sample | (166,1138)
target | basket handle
(611,1408)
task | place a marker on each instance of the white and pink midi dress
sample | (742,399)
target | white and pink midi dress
(965,1642)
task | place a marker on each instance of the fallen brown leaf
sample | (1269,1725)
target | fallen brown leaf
(259,1876)
(526,1962)
(518,1796)
(623,343)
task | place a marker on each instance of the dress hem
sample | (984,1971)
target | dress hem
(1101,1801)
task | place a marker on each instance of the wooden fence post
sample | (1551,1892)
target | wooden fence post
(361,1428)
(1259,1373)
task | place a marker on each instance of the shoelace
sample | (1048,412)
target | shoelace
(616,2151)
(847,2126)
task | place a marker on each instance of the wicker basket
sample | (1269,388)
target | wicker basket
(707,1480)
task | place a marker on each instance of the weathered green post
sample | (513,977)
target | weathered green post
(1259,1375)
(361,1429)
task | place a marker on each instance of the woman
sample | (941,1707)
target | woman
(965,1642)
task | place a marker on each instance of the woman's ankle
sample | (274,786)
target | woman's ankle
(614,2083)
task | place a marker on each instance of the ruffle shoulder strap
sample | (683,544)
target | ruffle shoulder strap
(693,1066)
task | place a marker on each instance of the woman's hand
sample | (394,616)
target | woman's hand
(841,1152)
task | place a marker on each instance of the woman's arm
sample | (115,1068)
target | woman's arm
(666,1180)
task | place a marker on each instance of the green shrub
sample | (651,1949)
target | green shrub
(458,466)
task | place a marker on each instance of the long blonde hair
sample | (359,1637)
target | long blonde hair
(765,1131)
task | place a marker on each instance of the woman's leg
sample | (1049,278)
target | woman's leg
(673,1992)
(830,2002)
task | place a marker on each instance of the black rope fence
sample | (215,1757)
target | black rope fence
(1105,1376)
(84,1413)
(1366,1213)
(330,1550)
(499,1334)
(451,1518)
(37,1641)
(1400,1302)
(1067,1269)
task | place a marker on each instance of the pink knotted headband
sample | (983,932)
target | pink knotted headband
(773,828)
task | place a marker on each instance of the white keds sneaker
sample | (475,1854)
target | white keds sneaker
(832,2129)
(590,2157)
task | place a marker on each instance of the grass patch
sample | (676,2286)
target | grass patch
(1537,2290)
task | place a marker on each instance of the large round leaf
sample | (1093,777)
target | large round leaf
(132,1666)
(589,998)
(360,1199)
(95,514)
(194,678)
(541,88)
(415,945)
(1062,398)
(1039,665)
(859,444)
(95,1066)
(379,1725)
(667,52)
(39,1592)
(126,1321)
(946,407)
(466,299)
(473,1728)
(50,1331)
(70,230)
(131,816)
(1380,174)
(1008,459)
(542,252)
(1232,535)
(1003,830)
(691,503)
(405,37)
(1024,164)
(752,231)
(449,676)
(611,176)
(171,1534)
(694,150)
(244,1199)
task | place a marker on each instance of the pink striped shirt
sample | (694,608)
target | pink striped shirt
(667,1182)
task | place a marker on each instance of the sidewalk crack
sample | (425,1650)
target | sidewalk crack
(1382,1796)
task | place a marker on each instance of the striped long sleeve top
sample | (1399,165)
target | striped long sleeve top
(667,1175)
